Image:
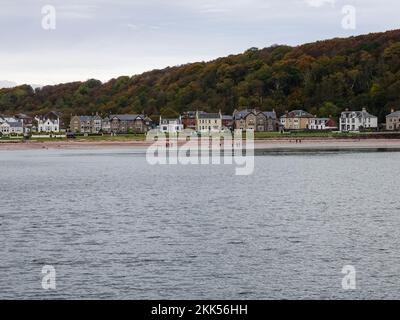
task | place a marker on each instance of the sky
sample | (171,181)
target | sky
(104,39)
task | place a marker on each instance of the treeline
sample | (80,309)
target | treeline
(323,78)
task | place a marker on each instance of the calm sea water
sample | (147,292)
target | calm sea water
(116,228)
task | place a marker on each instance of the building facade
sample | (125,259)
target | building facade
(322,124)
(129,123)
(227,122)
(49,123)
(27,122)
(106,125)
(86,124)
(208,122)
(5,128)
(12,128)
(189,119)
(251,119)
(171,125)
(357,121)
(393,121)
(296,120)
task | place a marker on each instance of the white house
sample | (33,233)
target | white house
(171,125)
(357,120)
(5,128)
(322,124)
(49,123)
(16,128)
(10,119)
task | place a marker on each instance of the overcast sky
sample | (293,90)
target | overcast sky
(108,38)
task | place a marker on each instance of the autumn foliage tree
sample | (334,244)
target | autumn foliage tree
(323,78)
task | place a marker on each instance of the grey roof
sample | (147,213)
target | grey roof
(395,114)
(359,114)
(321,119)
(270,114)
(51,115)
(22,116)
(55,113)
(15,124)
(85,118)
(298,114)
(166,121)
(192,114)
(89,118)
(10,119)
(209,115)
(227,117)
(127,117)
(242,114)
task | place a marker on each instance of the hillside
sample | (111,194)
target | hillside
(323,78)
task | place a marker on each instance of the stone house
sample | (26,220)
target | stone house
(86,124)
(252,119)
(296,120)
(393,121)
(126,123)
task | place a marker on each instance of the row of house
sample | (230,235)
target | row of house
(22,124)
(118,123)
(247,119)
(350,121)
(200,121)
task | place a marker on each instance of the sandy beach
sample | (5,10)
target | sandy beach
(278,144)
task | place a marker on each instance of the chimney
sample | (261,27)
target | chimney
(347,110)
(364,109)
(392,111)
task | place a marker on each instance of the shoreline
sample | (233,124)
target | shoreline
(270,144)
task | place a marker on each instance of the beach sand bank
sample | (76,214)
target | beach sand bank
(278,144)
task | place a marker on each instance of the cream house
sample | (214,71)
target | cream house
(208,122)
(393,121)
(296,120)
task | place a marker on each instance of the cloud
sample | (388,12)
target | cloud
(107,38)
(320,3)
(7,84)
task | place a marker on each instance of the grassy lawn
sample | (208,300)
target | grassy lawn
(15,138)
(138,137)
(128,137)
(277,135)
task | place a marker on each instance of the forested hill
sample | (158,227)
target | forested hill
(323,78)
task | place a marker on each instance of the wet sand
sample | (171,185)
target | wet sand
(278,144)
